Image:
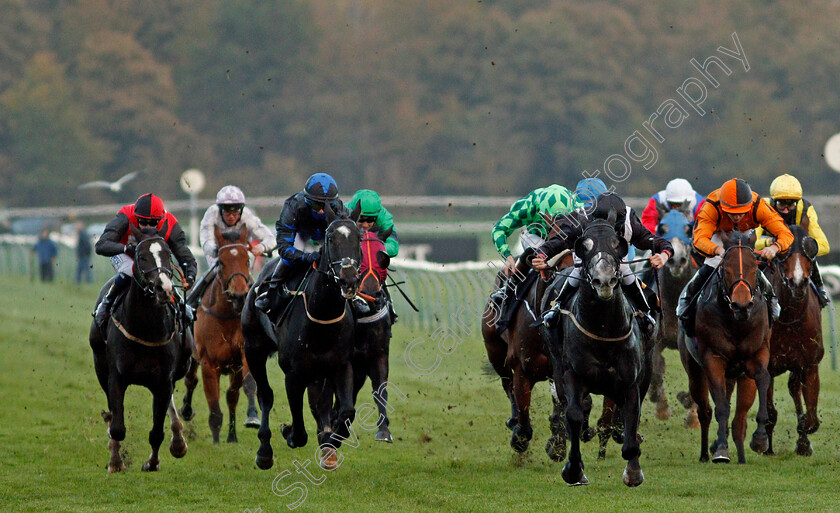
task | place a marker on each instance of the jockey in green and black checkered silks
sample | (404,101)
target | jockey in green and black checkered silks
(525,213)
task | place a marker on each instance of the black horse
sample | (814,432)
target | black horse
(601,350)
(146,346)
(314,340)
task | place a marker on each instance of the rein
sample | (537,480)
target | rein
(309,315)
(146,343)
(591,335)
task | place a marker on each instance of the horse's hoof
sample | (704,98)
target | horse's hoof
(556,450)
(574,477)
(187,413)
(691,420)
(178,447)
(663,412)
(112,469)
(264,462)
(588,434)
(151,467)
(633,478)
(759,443)
(384,436)
(704,458)
(231,439)
(511,423)
(721,455)
(769,452)
(329,459)
(286,430)
(804,448)
(252,422)
(519,443)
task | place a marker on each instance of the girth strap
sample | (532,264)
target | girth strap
(146,343)
(309,315)
(592,335)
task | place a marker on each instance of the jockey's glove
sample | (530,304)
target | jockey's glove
(129,250)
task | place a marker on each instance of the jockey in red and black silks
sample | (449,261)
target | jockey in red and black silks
(116,242)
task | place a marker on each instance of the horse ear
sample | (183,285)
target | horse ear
(135,231)
(810,247)
(751,237)
(217,233)
(611,217)
(725,236)
(329,212)
(689,230)
(623,247)
(243,234)
(662,229)
(383,259)
(383,236)
(356,213)
(582,246)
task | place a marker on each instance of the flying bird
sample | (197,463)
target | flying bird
(114,186)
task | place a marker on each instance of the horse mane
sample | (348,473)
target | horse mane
(231,235)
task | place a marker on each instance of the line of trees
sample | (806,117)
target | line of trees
(470,97)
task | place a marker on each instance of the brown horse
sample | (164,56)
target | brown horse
(732,342)
(218,335)
(520,358)
(796,345)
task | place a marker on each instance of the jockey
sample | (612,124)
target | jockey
(732,206)
(630,228)
(228,213)
(786,198)
(116,242)
(678,194)
(374,217)
(525,213)
(302,219)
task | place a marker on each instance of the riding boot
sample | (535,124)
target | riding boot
(391,311)
(687,303)
(636,295)
(772,301)
(360,306)
(552,317)
(103,311)
(816,279)
(197,291)
(276,293)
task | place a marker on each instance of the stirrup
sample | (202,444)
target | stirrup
(360,306)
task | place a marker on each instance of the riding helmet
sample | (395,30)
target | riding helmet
(786,187)
(230,195)
(149,206)
(369,201)
(320,187)
(609,203)
(679,190)
(736,196)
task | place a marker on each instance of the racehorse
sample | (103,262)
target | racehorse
(146,345)
(796,343)
(218,335)
(601,350)
(672,279)
(313,339)
(732,343)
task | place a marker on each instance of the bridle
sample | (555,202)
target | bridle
(230,278)
(140,276)
(335,267)
(741,281)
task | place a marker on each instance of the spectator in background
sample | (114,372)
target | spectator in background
(83,252)
(46,250)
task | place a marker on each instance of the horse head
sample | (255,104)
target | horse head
(234,265)
(797,261)
(738,270)
(342,254)
(152,265)
(601,251)
(375,262)
(677,227)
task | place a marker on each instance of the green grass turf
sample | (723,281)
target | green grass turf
(451,449)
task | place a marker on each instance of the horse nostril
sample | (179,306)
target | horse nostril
(596,282)
(613,283)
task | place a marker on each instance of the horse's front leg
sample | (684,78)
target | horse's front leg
(295,434)
(190,381)
(522,431)
(162,397)
(745,399)
(772,416)
(232,397)
(378,380)
(256,362)
(715,370)
(809,422)
(573,470)
(210,379)
(249,385)
(555,447)
(115,420)
(758,368)
(343,381)
(657,383)
(630,451)
(177,445)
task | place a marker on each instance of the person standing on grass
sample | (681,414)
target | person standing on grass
(83,251)
(46,251)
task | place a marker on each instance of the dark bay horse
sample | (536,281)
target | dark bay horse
(796,345)
(678,271)
(601,350)
(145,346)
(218,335)
(732,343)
(314,341)
(520,358)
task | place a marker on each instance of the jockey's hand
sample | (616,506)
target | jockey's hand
(312,257)
(539,263)
(658,260)
(720,251)
(769,252)
(510,265)
(257,250)
(129,250)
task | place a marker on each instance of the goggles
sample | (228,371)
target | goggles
(785,203)
(148,221)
